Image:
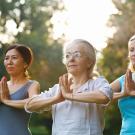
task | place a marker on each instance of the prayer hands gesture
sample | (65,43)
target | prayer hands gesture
(65,84)
(4,91)
(129,87)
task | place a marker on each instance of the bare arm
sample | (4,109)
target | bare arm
(115,85)
(33,90)
(129,87)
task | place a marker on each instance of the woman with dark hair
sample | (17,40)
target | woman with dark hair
(15,92)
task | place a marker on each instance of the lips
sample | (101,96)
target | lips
(72,65)
(10,68)
(133,58)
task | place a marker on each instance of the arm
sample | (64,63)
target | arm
(129,87)
(33,90)
(88,97)
(41,102)
(115,85)
(96,96)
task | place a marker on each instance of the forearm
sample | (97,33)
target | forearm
(15,103)
(118,95)
(88,97)
(37,103)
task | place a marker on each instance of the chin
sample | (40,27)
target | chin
(72,71)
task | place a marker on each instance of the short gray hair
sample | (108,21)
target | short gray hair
(90,51)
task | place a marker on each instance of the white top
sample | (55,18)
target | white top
(77,118)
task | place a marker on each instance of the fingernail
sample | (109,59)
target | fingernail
(4,78)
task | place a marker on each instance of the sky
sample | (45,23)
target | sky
(85,19)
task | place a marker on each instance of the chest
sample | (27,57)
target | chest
(127,104)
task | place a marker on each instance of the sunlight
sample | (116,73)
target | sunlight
(84,19)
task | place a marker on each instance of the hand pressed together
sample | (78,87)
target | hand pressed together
(4,91)
(129,87)
(65,85)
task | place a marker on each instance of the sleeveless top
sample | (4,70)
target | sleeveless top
(127,110)
(14,121)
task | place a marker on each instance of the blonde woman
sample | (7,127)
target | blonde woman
(124,91)
(77,101)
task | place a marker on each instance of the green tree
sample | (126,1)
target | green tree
(114,59)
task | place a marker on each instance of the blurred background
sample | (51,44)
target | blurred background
(45,25)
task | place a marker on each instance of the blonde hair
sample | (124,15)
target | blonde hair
(130,65)
(90,52)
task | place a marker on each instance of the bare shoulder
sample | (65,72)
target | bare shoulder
(35,86)
(115,85)
(35,83)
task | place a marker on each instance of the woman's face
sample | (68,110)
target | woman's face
(14,63)
(131,50)
(76,59)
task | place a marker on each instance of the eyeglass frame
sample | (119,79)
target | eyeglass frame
(75,55)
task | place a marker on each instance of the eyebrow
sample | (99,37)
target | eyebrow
(132,39)
(11,55)
(73,52)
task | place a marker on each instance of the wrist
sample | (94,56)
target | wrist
(124,94)
(69,96)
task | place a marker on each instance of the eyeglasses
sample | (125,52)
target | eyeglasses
(75,55)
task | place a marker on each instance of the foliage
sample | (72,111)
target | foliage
(114,59)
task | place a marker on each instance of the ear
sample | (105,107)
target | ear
(89,65)
(25,65)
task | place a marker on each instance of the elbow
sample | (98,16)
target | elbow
(105,100)
(29,107)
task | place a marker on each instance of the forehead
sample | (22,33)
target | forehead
(75,47)
(13,52)
(131,44)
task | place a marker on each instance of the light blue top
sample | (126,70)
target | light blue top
(15,121)
(127,110)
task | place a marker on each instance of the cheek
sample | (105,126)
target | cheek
(131,53)
(84,63)
(18,62)
(5,63)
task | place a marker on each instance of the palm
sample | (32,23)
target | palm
(129,84)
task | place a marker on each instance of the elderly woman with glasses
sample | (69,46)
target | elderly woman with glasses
(78,101)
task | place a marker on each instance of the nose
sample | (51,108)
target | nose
(9,61)
(71,58)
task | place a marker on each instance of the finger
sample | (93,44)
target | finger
(5,85)
(64,80)
(60,80)
(125,83)
(4,78)
(128,77)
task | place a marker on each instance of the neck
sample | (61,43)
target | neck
(18,79)
(78,80)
